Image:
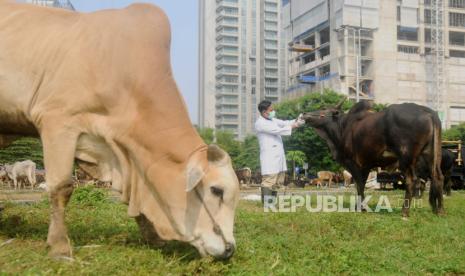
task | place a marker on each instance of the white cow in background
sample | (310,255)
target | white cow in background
(22,169)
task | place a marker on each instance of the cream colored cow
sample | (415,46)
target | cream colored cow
(98,88)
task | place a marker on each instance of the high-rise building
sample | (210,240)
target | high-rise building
(65,4)
(241,61)
(386,50)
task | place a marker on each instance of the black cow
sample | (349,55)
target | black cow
(447,163)
(362,140)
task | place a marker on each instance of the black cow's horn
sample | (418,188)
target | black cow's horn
(339,105)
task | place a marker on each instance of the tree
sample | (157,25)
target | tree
(250,154)
(227,141)
(224,139)
(296,157)
(207,134)
(305,139)
(23,149)
(455,133)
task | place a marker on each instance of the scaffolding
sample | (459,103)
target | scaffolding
(435,95)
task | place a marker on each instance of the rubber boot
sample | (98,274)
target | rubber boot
(266,192)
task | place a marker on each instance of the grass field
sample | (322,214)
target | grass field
(107,242)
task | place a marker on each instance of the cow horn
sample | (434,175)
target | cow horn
(339,105)
(215,153)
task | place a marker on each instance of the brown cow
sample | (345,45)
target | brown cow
(325,176)
(244,175)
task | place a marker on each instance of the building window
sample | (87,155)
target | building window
(407,49)
(427,16)
(324,36)
(324,52)
(460,4)
(457,38)
(457,19)
(308,58)
(457,54)
(325,70)
(427,35)
(409,34)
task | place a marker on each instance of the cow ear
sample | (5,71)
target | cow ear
(194,176)
(215,154)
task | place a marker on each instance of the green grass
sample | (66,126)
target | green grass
(298,243)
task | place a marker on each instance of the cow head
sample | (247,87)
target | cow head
(216,189)
(322,117)
(201,211)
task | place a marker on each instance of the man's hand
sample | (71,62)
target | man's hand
(300,120)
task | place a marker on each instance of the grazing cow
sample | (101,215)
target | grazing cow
(20,171)
(362,140)
(98,88)
(244,175)
(4,179)
(347,178)
(325,176)
(257,177)
(40,176)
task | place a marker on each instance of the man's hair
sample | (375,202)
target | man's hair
(263,105)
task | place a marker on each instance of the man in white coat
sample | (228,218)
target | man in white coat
(272,158)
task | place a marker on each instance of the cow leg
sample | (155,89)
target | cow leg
(447,184)
(409,189)
(417,184)
(361,179)
(436,192)
(59,151)
(32,179)
(15,182)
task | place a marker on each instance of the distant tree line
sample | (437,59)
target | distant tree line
(23,149)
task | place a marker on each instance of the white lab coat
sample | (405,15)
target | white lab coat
(269,132)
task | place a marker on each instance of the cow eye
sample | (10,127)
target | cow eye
(217,191)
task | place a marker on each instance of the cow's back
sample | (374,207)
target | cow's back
(409,122)
(109,62)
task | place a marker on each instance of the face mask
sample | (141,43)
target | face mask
(272,115)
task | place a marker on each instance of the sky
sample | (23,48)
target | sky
(183,15)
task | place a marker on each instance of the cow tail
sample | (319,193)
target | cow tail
(435,195)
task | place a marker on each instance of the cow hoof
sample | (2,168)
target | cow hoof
(60,251)
(441,213)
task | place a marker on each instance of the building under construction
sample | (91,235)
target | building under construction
(386,50)
(65,4)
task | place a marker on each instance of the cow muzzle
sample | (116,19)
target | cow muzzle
(228,251)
